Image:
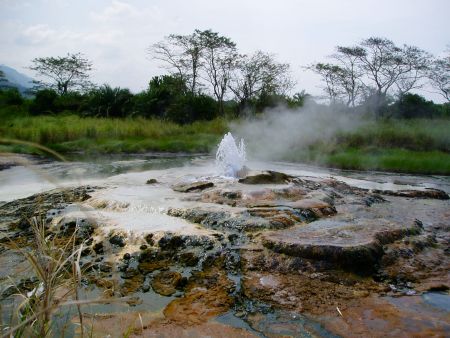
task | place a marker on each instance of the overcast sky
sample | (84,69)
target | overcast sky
(115,34)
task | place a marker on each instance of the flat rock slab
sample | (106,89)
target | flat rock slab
(427,193)
(355,245)
(265,177)
(192,186)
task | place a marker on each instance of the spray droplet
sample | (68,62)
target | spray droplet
(230,157)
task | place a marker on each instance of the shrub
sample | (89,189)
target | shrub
(72,101)
(11,96)
(189,108)
(109,102)
(163,91)
(412,106)
(44,102)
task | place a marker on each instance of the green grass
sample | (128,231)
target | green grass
(397,160)
(417,135)
(413,146)
(68,133)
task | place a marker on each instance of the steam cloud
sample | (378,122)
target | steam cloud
(280,132)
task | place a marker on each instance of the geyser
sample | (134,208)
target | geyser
(230,157)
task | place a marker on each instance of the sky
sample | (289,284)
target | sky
(115,34)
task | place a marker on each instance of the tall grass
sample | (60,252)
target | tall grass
(56,266)
(417,134)
(417,145)
(53,253)
(396,160)
(73,133)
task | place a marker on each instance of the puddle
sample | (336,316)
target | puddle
(440,300)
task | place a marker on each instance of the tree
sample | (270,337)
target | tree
(439,75)
(110,102)
(182,56)
(190,107)
(298,99)
(44,102)
(220,57)
(257,74)
(10,96)
(386,65)
(332,75)
(64,73)
(3,81)
(2,77)
(413,106)
(349,74)
(415,66)
(376,66)
(162,92)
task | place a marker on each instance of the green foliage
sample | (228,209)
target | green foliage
(11,96)
(413,146)
(163,91)
(413,106)
(415,134)
(44,102)
(68,133)
(397,160)
(72,101)
(109,102)
(189,108)
(64,73)
(269,101)
(298,99)
(168,97)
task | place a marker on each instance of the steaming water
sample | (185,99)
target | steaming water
(125,200)
(230,157)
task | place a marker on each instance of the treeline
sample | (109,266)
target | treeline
(376,72)
(208,77)
(167,97)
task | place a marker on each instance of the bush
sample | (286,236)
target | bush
(163,91)
(109,102)
(413,106)
(189,108)
(11,97)
(44,102)
(270,101)
(71,101)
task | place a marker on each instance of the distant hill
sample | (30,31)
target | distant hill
(15,79)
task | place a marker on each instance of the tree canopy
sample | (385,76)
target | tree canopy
(63,73)
(375,67)
(439,75)
(210,63)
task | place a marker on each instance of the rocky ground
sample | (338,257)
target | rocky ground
(279,256)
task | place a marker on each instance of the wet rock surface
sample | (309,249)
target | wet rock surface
(427,193)
(166,282)
(278,256)
(356,245)
(194,186)
(265,177)
(207,295)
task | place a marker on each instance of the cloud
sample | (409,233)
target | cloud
(117,10)
(103,37)
(112,32)
(16,5)
(37,34)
